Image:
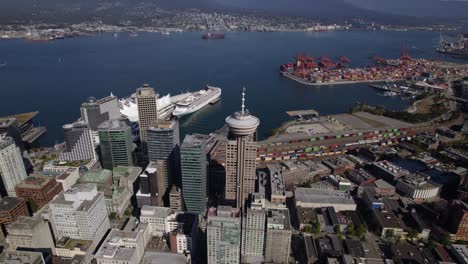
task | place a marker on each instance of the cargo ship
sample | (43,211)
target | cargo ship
(213,36)
(458,48)
(196,101)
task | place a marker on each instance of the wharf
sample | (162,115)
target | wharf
(385,88)
(302,81)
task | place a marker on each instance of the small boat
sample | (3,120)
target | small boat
(3,63)
(210,35)
(390,93)
(165,33)
(116,35)
(133,34)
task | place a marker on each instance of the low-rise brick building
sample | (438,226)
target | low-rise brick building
(38,189)
(11,208)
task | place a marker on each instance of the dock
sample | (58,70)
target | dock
(302,81)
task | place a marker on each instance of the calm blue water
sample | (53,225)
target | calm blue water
(55,77)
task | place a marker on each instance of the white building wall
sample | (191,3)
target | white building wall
(12,168)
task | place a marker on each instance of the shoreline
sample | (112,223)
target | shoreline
(287,75)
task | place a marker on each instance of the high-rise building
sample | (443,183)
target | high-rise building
(80,213)
(146,99)
(116,144)
(163,145)
(12,170)
(10,126)
(175,198)
(94,111)
(241,154)
(194,169)
(253,232)
(30,232)
(223,235)
(152,186)
(78,142)
(278,236)
(458,220)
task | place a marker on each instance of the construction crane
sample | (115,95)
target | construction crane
(343,62)
(325,62)
(405,57)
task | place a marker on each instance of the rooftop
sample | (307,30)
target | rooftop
(418,182)
(35,182)
(22,118)
(129,172)
(66,174)
(81,197)
(191,141)
(387,218)
(20,257)
(278,219)
(9,203)
(70,244)
(163,125)
(6,122)
(25,223)
(93,101)
(112,125)
(160,257)
(383,184)
(96,176)
(118,245)
(390,168)
(309,195)
(461,250)
(154,211)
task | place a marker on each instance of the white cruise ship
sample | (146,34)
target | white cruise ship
(196,101)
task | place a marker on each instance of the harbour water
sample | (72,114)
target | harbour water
(55,77)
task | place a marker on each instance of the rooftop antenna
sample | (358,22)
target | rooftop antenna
(243,100)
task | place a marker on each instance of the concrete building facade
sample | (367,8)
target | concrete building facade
(223,235)
(146,99)
(79,143)
(253,235)
(163,146)
(29,232)
(278,236)
(80,213)
(12,169)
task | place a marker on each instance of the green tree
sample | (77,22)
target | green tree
(338,229)
(128,212)
(446,240)
(431,244)
(33,205)
(316,228)
(390,233)
(112,216)
(361,231)
(351,230)
(307,229)
(413,233)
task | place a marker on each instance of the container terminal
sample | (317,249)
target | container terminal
(311,136)
(324,71)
